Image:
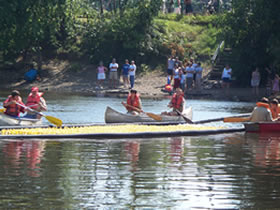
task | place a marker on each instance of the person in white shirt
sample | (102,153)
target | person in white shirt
(189,76)
(113,73)
(198,76)
(226,77)
(132,71)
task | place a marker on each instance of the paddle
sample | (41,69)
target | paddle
(51,119)
(151,115)
(185,118)
(237,118)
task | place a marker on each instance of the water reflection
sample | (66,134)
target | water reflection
(19,155)
(224,171)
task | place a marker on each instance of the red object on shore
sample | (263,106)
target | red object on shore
(168,88)
(263,127)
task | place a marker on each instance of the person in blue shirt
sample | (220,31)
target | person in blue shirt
(125,71)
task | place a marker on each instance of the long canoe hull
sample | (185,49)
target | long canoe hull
(263,127)
(6,120)
(113,116)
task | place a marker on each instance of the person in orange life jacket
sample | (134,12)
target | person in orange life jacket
(261,112)
(177,103)
(12,109)
(134,101)
(36,102)
(273,105)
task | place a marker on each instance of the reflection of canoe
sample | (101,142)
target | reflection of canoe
(6,120)
(113,116)
(263,127)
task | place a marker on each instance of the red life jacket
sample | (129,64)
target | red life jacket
(33,100)
(134,103)
(13,109)
(177,101)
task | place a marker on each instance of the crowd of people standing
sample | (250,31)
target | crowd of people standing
(187,75)
(128,72)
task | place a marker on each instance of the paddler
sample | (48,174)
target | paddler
(177,103)
(133,103)
(36,102)
(273,105)
(12,108)
(261,112)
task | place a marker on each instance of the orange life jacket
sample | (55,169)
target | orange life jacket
(265,105)
(134,103)
(177,101)
(13,109)
(33,100)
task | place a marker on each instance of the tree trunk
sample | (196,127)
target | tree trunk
(101,6)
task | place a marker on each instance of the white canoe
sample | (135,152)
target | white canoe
(6,120)
(113,116)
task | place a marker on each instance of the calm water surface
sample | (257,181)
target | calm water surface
(209,172)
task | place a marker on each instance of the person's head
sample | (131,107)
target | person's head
(274,103)
(126,61)
(101,63)
(199,64)
(133,93)
(132,62)
(114,60)
(177,58)
(34,90)
(227,66)
(15,94)
(257,69)
(179,91)
(264,100)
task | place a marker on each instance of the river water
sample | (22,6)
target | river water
(229,171)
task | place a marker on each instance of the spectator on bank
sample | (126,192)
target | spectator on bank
(275,85)
(177,74)
(189,76)
(183,80)
(101,69)
(170,66)
(31,74)
(188,7)
(226,78)
(177,6)
(198,76)
(125,73)
(113,73)
(255,81)
(132,71)
(194,65)
(177,61)
(269,80)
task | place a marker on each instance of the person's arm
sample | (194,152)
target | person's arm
(42,104)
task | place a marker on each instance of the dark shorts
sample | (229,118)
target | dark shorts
(170,71)
(189,8)
(226,80)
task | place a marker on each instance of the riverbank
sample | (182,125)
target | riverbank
(58,77)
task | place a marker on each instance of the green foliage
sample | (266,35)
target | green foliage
(251,30)
(192,36)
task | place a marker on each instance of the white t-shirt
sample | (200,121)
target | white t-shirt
(113,66)
(171,63)
(132,70)
(226,73)
(198,71)
(189,72)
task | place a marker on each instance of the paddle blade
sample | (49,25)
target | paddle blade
(54,120)
(154,116)
(2,110)
(236,119)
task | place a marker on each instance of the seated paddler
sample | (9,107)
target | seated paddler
(133,103)
(177,103)
(274,108)
(12,104)
(261,112)
(36,102)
